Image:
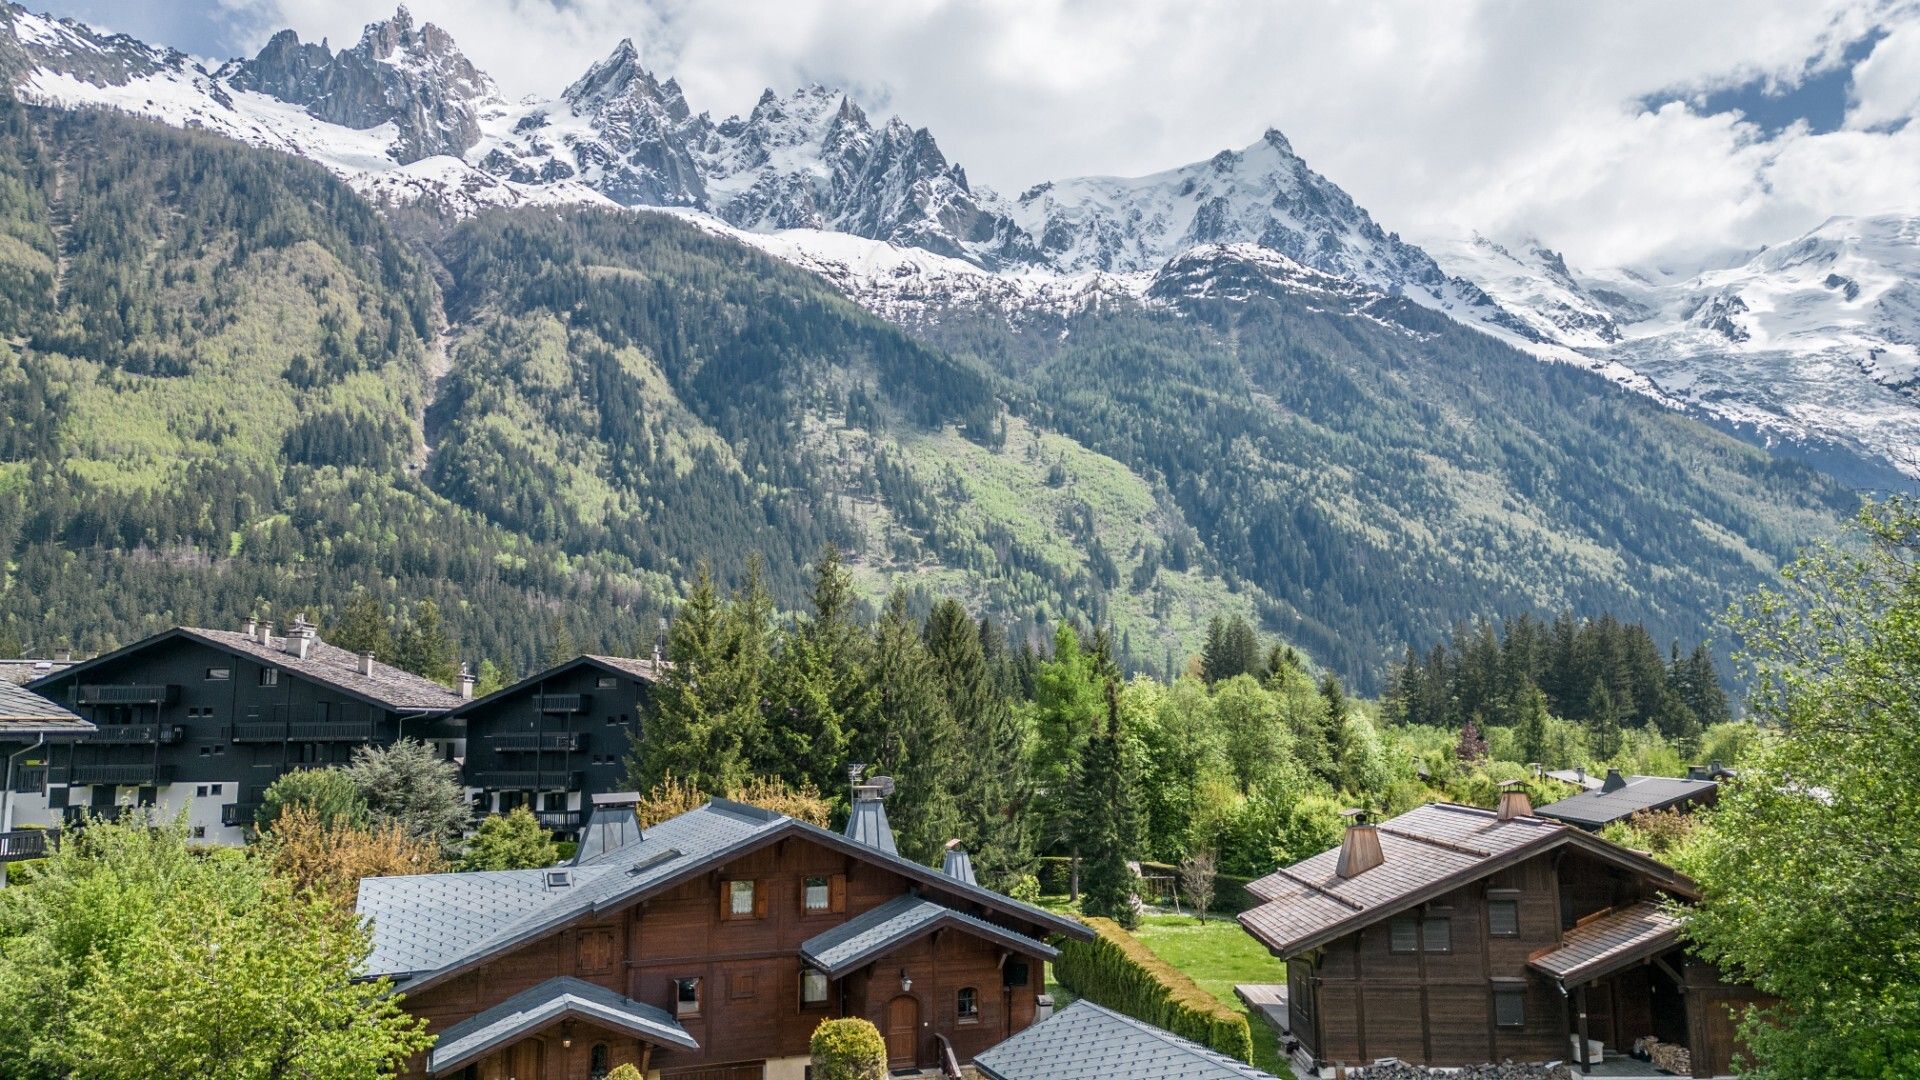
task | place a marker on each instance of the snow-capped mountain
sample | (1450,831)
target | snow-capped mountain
(1812,342)
(1815,342)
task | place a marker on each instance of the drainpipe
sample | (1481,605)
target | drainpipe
(6,794)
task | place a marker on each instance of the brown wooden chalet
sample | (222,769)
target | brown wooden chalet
(1452,935)
(707,946)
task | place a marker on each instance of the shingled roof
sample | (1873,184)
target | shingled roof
(430,927)
(1085,1041)
(1592,809)
(327,665)
(1428,850)
(544,1005)
(1609,942)
(26,715)
(644,670)
(896,922)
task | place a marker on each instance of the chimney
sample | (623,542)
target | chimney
(266,633)
(957,864)
(1360,848)
(1580,774)
(611,825)
(366,663)
(867,823)
(300,638)
(466,683)
(1514,802)
(251,627)
(1614,781)
(64,656)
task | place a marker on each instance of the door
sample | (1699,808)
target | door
(903,1032)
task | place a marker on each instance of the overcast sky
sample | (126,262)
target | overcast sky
(1615,130)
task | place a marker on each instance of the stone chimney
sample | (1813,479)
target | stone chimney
(466,682)
(265,636)
(867,823)
(1614,781)
(1360,848)
(366,663)
(251,627)
(957,864)
(611,825)
(1514,802)
(300,638)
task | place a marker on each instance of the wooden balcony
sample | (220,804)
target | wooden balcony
(27,844)
(30,780)
(562,821)
(527,780)
(126,694)
(144,775)
(562,703)
(520,742)
(266,731)
(238,815)
(137,734)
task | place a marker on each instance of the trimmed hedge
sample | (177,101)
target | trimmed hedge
(1117,970)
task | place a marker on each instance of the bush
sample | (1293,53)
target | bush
(673,796)
(330,794)
(625,1072)
(1116,970)
(849,1049)
(513,841)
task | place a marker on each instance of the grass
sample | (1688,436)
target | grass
(1218,954)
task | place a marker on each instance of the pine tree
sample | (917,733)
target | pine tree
(1532,729)
(424,646)
(1604,720)
(820,680)
(561,646)
(362,627)
(677,739)
(1105,822)
(990,786)
(908,732)
(1232,648)
(1066,711)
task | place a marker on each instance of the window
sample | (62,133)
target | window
(219,674)
(818,895)
(597,1061)
(966,1005)
(198,832)
(1510,1008)
(269,676)
(686,997)
(200,792)
(1503,918)
(813,987)
(1406,936)
(606,682)
(1436,934)
(740,897)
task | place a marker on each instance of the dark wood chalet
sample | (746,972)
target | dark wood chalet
(1452,935)
(30,727)
(552,741)
(710,946)
(205,719)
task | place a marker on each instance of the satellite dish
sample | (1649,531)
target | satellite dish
(884,783)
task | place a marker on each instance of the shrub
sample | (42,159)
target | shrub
(330,793)
(626,1072)
(514,841)
(328,861)
(849,1049)
(1116,970)
(673,796)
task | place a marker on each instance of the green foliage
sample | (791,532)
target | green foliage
(990,791)
(821,695)
(361,627)
(848,1049)
(1231,649)
(512,841)
(626,1071)
(423,646)
(1116,970)
(131,955)
(333,796)
(1105,826)
(908,732)
(409,785)
(1810,863)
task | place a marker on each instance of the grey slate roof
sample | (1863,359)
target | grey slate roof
(897,922)
(1085,1041)
(1609,943)
(1428,850)
(388,686)
(1596,808)
(25,714)
(22,672)
(429,927)
(639,669)
(543,1005)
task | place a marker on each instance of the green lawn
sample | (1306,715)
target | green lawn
(1218,954)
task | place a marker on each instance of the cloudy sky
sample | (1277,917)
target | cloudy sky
(1619,131)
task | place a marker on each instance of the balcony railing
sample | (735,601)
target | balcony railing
(128,734)
(301,731)
(238,815)
(566,821)
(527,780)
(562,703)
(30,780)
(128,694)
(526,741)
(74,815)
(120,775)
(27,844)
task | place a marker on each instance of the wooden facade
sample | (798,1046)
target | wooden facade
(747,1009)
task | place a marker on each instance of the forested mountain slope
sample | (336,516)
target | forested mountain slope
(229,386)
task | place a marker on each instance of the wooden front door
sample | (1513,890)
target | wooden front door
(903,1032)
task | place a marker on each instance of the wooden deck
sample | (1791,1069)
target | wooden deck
(1268,1001)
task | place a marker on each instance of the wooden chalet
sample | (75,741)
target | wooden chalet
(707,946)
(1453,935)
(203,720)
(30,727)
(552,741)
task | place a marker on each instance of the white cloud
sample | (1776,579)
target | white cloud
(1440,118)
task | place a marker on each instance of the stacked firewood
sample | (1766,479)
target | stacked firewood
(1399,1070)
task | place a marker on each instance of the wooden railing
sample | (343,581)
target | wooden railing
(27,844)
(129,694)
(527,741)
(565,703)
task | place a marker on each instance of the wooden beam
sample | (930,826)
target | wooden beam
(1586,1054)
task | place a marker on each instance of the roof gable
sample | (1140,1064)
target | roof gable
(895,923)
(1085,1041)
(625,667)
(25,714)
(548,1003)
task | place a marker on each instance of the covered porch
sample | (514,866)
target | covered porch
(564,1028)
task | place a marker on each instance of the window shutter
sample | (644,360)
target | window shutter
(837,893)
(726,900)
(759,903)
